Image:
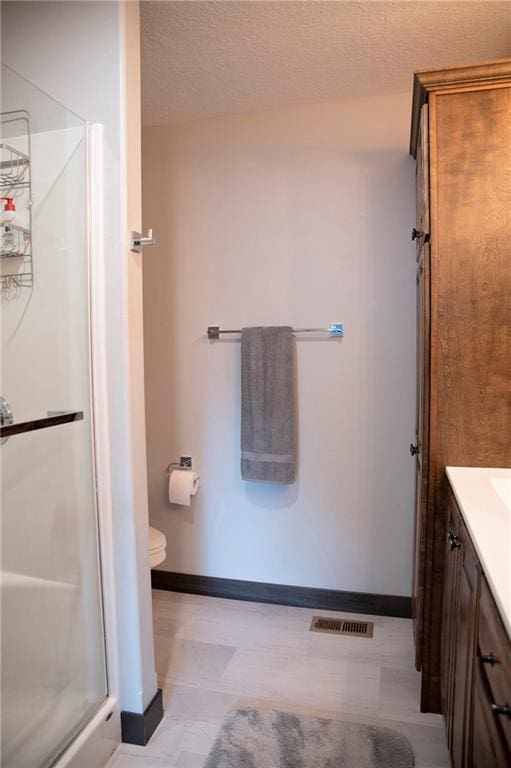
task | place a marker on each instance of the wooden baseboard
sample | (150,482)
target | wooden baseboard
(281,594)
(138,728)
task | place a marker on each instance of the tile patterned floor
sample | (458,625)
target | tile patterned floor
(213,654)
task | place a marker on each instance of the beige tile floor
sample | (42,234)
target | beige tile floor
(213,654)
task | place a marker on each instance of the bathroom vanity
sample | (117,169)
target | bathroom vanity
(476,620)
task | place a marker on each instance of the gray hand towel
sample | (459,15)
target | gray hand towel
(268,410)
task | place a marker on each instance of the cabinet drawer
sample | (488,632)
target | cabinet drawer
(494,659)
(489,748)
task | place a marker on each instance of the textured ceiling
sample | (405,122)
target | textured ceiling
(201,59)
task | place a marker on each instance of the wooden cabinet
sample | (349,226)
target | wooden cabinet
(476,658)
(461,137)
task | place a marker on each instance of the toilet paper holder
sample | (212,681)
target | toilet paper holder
(185,462)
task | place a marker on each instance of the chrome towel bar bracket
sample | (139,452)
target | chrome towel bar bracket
(336,331)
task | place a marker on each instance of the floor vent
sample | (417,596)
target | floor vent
(342,626)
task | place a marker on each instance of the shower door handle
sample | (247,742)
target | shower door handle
(138,240)
(55,420)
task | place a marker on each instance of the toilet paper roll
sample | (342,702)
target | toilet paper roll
(183,484)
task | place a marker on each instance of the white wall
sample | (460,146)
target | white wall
(301,217)
(80,53)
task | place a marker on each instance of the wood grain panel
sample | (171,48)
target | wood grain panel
(483,75)
(474,279)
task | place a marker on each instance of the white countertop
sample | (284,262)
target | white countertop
(484,498)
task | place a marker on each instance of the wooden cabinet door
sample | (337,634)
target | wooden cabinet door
(450,609)
(422,408)
(475,659)
(464,650)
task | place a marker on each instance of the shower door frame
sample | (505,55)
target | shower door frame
(102,734)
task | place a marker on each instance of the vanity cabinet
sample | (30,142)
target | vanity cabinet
(461,139)
(476,658)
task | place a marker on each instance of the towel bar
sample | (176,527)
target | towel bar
(336,330)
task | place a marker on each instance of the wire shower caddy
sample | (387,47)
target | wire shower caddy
(15,182)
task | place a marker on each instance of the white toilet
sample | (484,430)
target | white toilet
(157,547)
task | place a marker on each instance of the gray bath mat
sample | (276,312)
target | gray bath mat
(250,738)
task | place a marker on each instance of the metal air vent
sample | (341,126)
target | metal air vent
(342,626)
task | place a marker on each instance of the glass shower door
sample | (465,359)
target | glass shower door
(53,671)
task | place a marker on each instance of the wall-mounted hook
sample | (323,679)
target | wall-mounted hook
(138,241)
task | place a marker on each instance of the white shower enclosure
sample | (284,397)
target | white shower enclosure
(53,662)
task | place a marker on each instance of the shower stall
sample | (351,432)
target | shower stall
(53,660)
